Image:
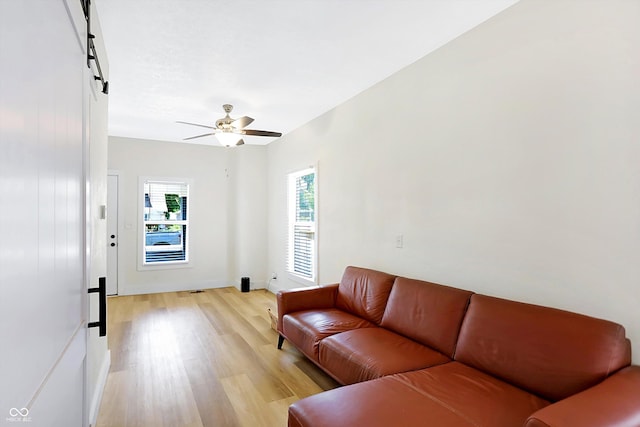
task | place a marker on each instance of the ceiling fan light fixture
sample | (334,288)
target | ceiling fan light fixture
(230,131)
(228,139)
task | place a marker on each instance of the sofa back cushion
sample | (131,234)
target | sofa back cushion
(549,352)
(364,292)
(426,312)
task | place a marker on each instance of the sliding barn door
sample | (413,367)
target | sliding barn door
(42,213)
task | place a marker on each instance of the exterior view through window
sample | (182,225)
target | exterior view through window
(302,224)
(166,224)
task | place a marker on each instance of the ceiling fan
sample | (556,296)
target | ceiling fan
(229,131)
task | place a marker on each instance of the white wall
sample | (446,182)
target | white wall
(248,214)
(227,200)
(507,159)
(98,358)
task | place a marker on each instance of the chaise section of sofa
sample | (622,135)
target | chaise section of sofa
(448,395)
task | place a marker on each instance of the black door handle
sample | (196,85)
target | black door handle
(113,244)
(102,306)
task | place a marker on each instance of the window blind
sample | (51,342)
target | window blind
(302,224)
(303,250)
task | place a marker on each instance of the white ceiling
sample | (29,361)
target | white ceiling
(282,62)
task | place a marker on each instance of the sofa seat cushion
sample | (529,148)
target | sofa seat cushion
(368,353)
(449,395)
(305,329)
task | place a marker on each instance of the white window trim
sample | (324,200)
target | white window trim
(167,265)
(291,206)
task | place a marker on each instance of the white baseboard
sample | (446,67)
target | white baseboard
(155,288)
(99,390)
(255,285)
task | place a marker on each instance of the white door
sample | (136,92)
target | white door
(112,234)
(42,213)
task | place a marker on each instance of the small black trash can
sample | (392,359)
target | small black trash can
(245,285)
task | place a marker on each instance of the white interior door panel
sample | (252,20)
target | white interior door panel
(42,213)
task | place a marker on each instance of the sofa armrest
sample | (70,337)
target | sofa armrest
(613,402)
(293,300)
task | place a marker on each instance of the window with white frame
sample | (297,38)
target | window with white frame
(166,222)
(302,224)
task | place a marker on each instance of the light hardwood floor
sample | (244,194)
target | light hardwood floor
(201,359)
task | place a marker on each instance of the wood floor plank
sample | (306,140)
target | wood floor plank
(120,350)
(114,403)
(217,321)
(279,410)
(252,411)
(235,319)
(213,404)
(269,385)
(205,359)
(283,364)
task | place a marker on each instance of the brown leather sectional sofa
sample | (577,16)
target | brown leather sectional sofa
(414,353)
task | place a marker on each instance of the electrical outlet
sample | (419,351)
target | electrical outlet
(274,276)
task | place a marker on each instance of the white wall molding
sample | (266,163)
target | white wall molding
(155,288)
(98,391)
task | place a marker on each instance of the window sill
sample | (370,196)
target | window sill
(164,266)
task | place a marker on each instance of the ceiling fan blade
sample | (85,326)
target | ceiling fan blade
(199,136)
(254,132)
(196,124)
(239,143)
(241,122)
